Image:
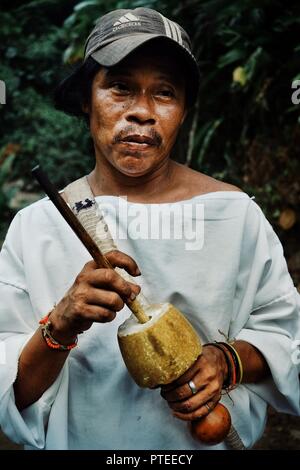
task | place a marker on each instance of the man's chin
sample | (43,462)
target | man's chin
(133,166)
(133,172)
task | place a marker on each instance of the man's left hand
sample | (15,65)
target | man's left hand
(208,374)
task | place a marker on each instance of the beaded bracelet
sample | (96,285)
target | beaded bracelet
(51,342)
(240,364)
(233,379)
(237,361)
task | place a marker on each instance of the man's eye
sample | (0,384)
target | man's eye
(166,93)
(120,87)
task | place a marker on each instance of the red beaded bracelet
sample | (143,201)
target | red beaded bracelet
(51,342)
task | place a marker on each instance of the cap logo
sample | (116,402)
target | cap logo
(126,20)
(172,29)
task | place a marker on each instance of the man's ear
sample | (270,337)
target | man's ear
(85,108)
(183,117)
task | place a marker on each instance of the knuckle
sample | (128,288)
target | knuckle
(210,374)
(113,300)
(136,289)
(200,413)
(181,394)
(109,275)
(113,254)
(125,286)
(187,406)
(120,304)
(80,278)
(182,407)
(107,315)
(78,309)
(90,264)
(213,386)
(216,387)
(79,296)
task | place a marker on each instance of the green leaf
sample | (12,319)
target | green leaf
(6,168)
(213,126)
(82,5)
(234,55)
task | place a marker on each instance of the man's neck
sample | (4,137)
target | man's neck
(106,180)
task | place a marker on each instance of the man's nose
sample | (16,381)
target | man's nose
(141,111)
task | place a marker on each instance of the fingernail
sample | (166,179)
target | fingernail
(132,296)
(138,272)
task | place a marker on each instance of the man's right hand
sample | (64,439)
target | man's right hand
(96,295)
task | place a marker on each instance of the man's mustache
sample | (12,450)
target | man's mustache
(132,130)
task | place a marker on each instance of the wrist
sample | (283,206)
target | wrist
(51,342)
(222,360)
(234,364)
(58,330)
(61,336)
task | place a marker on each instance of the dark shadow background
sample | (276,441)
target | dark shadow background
(244,128)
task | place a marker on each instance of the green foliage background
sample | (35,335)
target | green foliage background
(243,129)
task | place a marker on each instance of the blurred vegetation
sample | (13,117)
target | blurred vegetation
(243,129)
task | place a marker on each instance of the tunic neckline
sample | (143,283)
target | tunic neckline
(210,195)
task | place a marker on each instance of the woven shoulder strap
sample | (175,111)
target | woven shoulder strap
(82,202)
(88,212)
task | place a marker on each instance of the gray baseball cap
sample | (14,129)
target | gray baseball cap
(114,37)
(120,32)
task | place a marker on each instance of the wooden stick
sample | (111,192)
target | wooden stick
(82,234)
(70,218)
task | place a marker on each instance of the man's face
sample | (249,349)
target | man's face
(136,110)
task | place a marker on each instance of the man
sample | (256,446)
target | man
(135,87)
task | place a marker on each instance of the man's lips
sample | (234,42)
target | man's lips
(138,139)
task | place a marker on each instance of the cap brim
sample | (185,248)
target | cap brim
(113,53)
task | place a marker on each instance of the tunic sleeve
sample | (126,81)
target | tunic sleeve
(267,311)
(18,322)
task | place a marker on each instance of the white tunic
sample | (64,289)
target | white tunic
(234,280)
